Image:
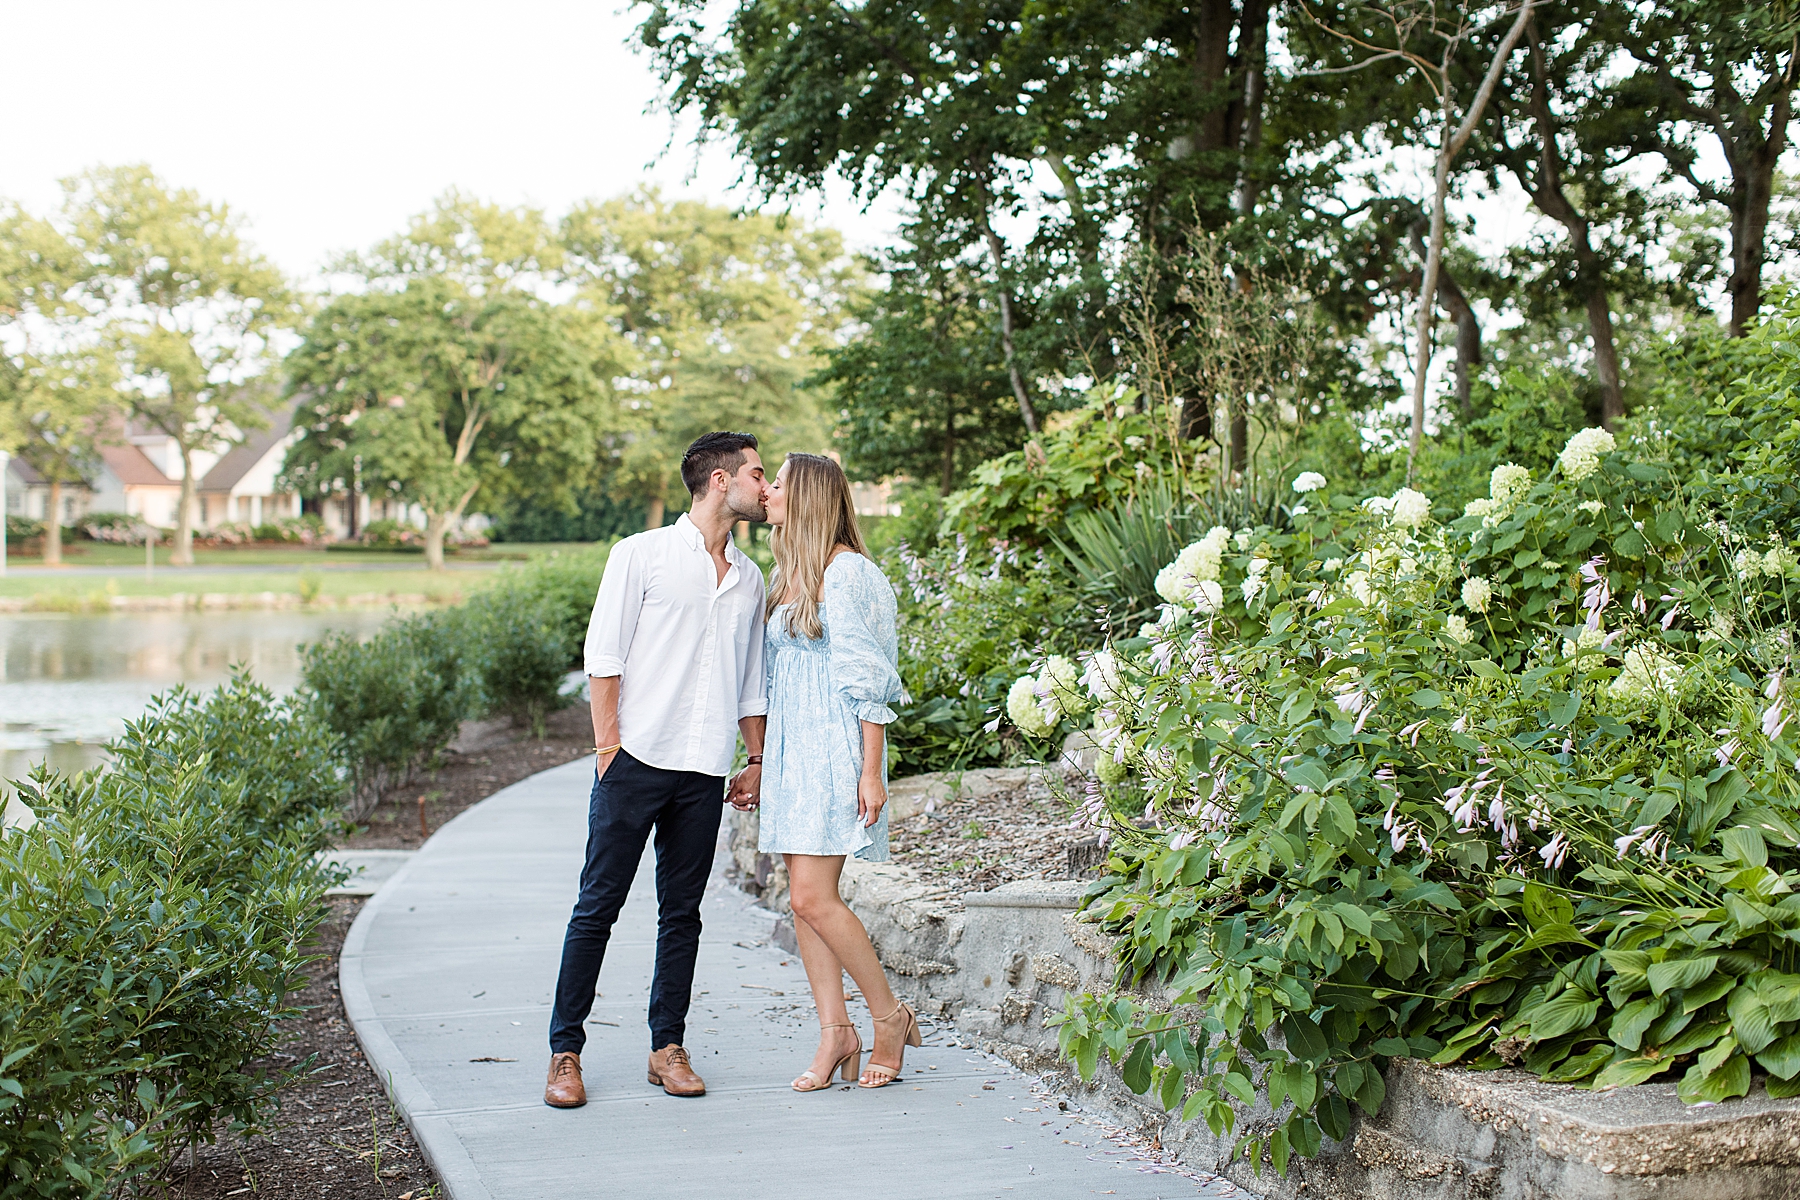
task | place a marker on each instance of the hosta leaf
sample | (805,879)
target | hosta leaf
(1699,996)
(1575,1069)
(1696,1038)
(1751,1022)
(1544,908)
(1627,1072)
(1570,1011)
(1680,972)
(1722,1082)
(1630,1023)
(1782,1089)
(1782,1056)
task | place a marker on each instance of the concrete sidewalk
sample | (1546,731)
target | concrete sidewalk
(447,976)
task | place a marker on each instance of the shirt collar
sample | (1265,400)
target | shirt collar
(690,533)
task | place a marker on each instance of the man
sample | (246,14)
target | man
(675,671)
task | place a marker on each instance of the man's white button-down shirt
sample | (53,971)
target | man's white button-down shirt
(688,647)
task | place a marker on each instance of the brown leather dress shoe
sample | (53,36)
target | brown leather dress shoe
(564,1088)
(671,1071)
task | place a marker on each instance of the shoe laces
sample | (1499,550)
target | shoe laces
(678,1055)
(565,1065)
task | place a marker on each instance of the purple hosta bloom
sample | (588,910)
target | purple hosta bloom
(1727,752)
(1775,719)
(1411,732)
(1598,594)
(1461,724)
(1623,844)
(1568,745)
(1385,773)
(1162,655)
(1555,850)
(1640,604)
(1181,839)
(992,726)
(1497,810)
(1537,812)
(1772,688)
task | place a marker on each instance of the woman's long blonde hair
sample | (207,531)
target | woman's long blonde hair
(820,517)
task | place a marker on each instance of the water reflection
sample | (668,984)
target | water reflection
(68,683)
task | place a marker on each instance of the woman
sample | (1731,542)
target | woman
(831,655)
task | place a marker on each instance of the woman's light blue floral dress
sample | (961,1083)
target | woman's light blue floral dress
(820,692)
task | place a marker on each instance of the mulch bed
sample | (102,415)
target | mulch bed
(976,843)
(487,758)
(335,1134)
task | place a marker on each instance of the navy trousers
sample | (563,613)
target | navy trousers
(684,809)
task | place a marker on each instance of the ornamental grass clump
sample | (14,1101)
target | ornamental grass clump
(1550,820)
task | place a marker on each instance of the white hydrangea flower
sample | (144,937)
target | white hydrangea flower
(1379,505)
(1509,483)
(1476,593)
(1595,507)
(1580,457)
(1409,508)
(1198,561)
(1479,508)
(1252,587)
(1022,707)
(1208,596)
(1102,677)
(1584,643)
(1647,672)
(1243,539)
(1457,628)
(1308,481)
(1333,564)
(1359,586)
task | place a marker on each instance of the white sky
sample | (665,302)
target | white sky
(324,125)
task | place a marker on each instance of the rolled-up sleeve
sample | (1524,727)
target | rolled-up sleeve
(859,606)
(615,616)
(753,680)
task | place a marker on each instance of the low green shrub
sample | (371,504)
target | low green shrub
(152,931)
(521,647)
(305,530)
(1515,789)
(394,700)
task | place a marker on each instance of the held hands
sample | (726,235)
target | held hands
(745,792)
(871,798)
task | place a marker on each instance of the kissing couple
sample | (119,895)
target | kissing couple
(685,652)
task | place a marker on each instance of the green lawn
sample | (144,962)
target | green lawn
(284,571)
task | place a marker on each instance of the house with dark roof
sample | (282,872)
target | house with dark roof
(242,486)
(124,481)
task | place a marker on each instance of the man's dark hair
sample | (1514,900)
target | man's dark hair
(711,452)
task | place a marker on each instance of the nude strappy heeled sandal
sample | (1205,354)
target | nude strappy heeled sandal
(883,1074)
(848,1067)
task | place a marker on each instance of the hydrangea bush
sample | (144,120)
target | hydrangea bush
(1515,787)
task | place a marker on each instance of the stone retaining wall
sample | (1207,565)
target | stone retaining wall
(990,967)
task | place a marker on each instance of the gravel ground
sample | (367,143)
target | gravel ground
(974,843)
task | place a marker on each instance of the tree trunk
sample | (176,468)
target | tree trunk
(435,525)
(998,253)
(1213,25)
(949,479)
(1240,435)
(1606,354)
(53,526)
(1753,188)
(1468,327)
(1546,191)
(653,515)
(183,553)
(1254,38)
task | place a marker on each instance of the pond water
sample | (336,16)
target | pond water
(68,683)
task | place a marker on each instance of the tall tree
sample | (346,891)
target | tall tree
(450,374)
(1076,117)
(722,318)
(189,308)
(924,392)
(57,400)
(1724,71)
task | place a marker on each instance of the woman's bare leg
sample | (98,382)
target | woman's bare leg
(813,894)
(826,975)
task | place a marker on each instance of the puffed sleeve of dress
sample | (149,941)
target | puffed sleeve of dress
(859,607)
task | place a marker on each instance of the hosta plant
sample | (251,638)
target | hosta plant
(1547,820)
